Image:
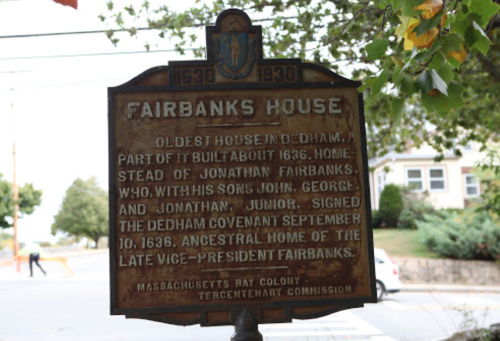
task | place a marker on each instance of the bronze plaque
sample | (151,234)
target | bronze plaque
(238,182)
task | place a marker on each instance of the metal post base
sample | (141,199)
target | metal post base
(246,328)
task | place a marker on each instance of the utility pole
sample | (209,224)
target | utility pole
(15,191)
(15,188)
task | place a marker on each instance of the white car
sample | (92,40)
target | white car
(387,273)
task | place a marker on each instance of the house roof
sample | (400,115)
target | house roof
(393,156)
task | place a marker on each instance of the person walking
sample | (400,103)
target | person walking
(34,251)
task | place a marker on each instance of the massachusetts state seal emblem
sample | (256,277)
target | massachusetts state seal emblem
(234,51)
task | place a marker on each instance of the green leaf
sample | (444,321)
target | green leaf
(414,52)
(397,61)
(452,42)
(395,74)
(435,104)
(366,84)
(443,104)
(456,91)
(461,26)
(435,46)
(407,84)
(454,62)
(430,80)
(446,72)
(379,82)
(429,24)
(477,39)
(397,109)
(438,60)
(130,10)
(407,7)
(485,8)
(422,56)
(377,49)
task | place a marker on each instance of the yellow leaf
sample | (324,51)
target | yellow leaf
(405,22)
(425,40)
(408,45)
(458,55)
(430,8)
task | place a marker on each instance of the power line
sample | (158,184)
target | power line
(69,33)
(16,71)
(65,84)
(93,54)
(121,30)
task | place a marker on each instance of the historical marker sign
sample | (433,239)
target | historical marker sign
(238,182)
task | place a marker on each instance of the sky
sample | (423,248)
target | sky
(55,107)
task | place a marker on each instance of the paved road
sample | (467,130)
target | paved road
(58,307)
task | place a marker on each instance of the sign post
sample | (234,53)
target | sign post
(238,189)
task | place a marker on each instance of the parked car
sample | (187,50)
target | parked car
(387,273)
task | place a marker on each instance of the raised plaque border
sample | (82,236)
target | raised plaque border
(162,78)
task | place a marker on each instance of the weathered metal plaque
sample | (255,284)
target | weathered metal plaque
(238,182)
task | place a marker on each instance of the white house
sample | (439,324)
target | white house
(450,183)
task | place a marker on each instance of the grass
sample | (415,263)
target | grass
(401,243)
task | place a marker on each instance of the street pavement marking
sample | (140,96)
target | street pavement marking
(395,305)
(471,300)
(338,326)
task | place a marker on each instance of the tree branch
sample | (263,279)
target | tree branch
(343,28)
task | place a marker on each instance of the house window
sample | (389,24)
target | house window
(380,183)
(471,186)
(414,179)
(469,147)
(437,179)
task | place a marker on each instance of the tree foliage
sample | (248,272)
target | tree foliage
(29,199)
(434,61)
(490,182)
(84,211)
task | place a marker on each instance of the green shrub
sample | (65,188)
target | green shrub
(390,205)
(376,220)
(459,211)
(415,206)
(469,235)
